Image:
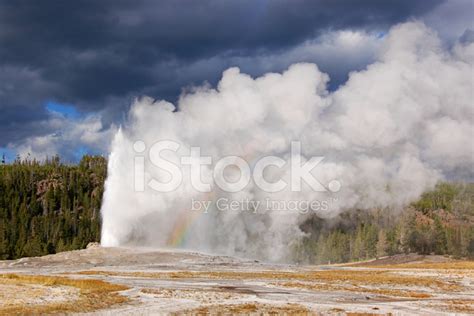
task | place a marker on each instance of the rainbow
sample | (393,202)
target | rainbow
(179,234)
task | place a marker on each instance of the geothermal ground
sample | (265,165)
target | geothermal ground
(143,281)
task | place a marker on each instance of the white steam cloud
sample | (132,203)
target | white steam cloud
(389,134)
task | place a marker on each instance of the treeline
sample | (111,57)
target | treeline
(49,207)
(441,222)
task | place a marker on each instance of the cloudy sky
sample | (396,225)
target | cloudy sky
(69,70)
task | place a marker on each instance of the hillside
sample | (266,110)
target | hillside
(52,207)
(441,222)
(49,207)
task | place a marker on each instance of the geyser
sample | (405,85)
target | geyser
(387,135)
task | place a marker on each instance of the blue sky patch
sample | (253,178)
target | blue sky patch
(10,155)
(67,110)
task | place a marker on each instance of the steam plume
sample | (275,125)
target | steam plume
(389,134)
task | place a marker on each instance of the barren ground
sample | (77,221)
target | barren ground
(145,281)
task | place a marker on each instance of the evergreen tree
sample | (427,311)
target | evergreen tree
(382,244)
(439,237)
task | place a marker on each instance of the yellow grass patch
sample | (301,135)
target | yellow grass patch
(460,306)
(454,265)
(93,294)
(465,306)
(247,308)
(363,314)
(203,296)
(354,288)
(341,311)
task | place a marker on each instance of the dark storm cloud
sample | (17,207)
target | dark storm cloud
(100,54)
(139,31)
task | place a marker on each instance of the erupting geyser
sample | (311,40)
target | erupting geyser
(387,135)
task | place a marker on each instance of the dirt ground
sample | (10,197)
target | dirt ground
(127,281)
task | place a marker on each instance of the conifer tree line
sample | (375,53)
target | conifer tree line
(48,207)
(441,222)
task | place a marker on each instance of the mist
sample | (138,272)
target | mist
(390,133)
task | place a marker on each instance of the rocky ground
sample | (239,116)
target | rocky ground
(145,281)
